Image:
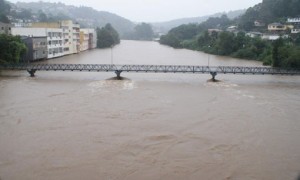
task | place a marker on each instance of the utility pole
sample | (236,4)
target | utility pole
(208,58)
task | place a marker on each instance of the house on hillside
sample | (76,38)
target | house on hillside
(279,27)
(295,31)
(276,27)
(296,24)
(294,20)
(254,34)
(270,37)
(210,31)
(232,29)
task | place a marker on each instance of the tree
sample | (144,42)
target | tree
(42,16)
(11,48)
(143,31)
(4,11)
(170,40)
(113,32)
(225,45)
(107,37)
(186,31)
(275,53)
(4,7)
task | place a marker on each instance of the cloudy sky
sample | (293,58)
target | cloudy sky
(159,10)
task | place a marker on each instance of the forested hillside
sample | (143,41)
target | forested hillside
(269,11)
(213,36)
(164,27)
(85,16)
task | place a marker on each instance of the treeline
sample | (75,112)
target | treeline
(141,31)
(284,52)
(236,45)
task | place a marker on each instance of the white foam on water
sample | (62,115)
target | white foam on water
(111,84)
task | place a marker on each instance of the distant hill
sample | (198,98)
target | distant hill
(86,16)
(89,17)
(164,27)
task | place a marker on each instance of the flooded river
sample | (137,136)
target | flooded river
(79,125)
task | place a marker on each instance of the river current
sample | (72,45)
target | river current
(80,125)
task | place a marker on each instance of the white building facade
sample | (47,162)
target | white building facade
(71,36)
(55,42)
(54,38)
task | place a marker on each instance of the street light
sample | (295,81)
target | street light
(208,58)
(111,55)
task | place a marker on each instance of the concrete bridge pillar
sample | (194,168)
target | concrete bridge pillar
(213,74)
(118,73)
(31,72)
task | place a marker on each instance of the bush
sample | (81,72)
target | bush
(246,53)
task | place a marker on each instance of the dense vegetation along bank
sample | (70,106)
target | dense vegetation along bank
(280,53)
(212,36)
(11,48)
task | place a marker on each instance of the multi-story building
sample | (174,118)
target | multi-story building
(296,23)
(5,28)
(63,37)
(55,42)
(36,48)
(76,38)
(88,39)
(294,20)
(92,39)
(54,38)
(45,25)
(71,36)
(84,39)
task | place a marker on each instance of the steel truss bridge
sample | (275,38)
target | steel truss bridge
(118,69)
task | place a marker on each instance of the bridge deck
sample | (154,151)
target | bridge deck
(151,69)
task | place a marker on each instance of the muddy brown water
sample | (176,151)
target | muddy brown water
(77,125)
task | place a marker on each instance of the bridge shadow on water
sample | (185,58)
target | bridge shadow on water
(213,80)
(118,79)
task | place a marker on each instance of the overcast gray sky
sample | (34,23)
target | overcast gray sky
(159,10)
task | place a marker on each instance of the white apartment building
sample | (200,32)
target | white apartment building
(76,38)
(71,37)
(54,38)
(55,42)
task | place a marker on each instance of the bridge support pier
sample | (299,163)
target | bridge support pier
(213,74)
(31,72)
(118,73)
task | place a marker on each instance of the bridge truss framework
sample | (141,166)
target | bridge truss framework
(118,69)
